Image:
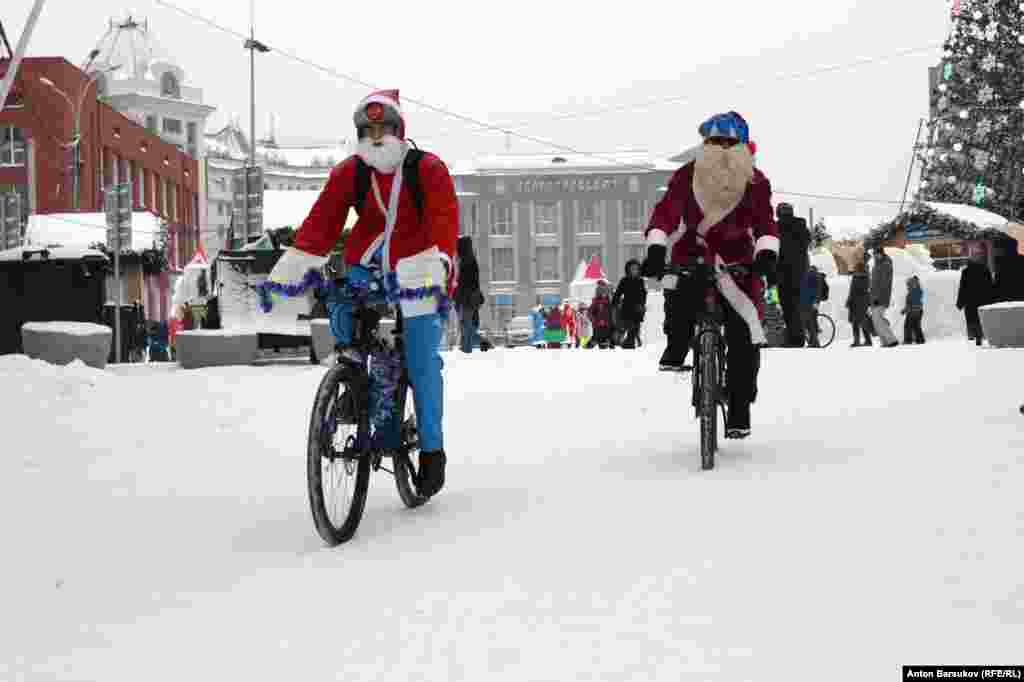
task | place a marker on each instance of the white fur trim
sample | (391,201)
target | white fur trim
(742,304)
(767,243)
(422,270)
(657,237)
(420,306)
(380,99)
(293,266)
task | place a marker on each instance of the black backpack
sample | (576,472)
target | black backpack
(822,286)
(410,179)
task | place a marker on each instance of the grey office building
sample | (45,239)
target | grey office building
(533,218)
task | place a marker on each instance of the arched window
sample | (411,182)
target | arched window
(169,86)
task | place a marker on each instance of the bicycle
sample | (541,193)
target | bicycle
(343,404)
(709,353)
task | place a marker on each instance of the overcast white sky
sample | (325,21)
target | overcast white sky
(845,132)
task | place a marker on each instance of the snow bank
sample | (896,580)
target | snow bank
(42,384)
(941,318)
(72,328)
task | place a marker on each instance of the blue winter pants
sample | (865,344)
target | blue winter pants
(422,342)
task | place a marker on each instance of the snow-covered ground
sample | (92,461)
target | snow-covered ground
(156,525)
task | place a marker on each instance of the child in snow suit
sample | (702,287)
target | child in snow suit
(601,317)
(914,311)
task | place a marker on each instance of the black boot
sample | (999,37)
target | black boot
(738,424)
(431,475)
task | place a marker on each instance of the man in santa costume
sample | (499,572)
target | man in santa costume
(395,233)
(718,207)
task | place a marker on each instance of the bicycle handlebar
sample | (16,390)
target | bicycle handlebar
(699,268)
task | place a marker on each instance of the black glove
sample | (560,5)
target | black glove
(654,263)
(764,265)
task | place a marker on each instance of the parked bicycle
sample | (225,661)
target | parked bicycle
(709,353)
(826,330)
(343,446)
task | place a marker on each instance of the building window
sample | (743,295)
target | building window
(501,219)
(467,220)
(631,215)
(547,264)
(588,252)
(169,86)
(12,146)
(172,126)
(151,122)
(589,218)
(503,265)
(633,252)
(546,217)
(634,184)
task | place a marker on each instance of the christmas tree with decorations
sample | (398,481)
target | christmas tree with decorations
(975,145)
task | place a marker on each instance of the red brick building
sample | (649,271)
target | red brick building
(38,122)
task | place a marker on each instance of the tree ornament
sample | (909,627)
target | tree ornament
(986,94)
(964,114)
(958,147)
(977,15)
(989,62)
(943,87)
(947,70)
(943,103)
(951,179)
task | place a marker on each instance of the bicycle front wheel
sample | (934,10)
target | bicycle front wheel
(826,330)
(708,399)
(337,456)
(407,459)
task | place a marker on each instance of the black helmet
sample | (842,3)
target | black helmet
(784,210)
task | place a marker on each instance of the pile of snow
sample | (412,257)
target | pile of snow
(941,317)
(971,214)
(54,252)
(70,328)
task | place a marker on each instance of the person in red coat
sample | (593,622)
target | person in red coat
(569,325)
(600,312)
(392,235)
(718,208)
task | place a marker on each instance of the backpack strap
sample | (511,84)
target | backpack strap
(362,187)
(410,179)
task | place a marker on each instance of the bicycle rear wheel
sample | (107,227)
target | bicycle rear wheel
(826,330)
(708,369)
(337,456)
(407,459)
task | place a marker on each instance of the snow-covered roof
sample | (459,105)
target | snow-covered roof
(560,162)
(971,214)
(288,208)
(55,253)
(85,229)
(231,141)
(852,227)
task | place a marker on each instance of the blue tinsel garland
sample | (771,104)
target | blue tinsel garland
(394,294)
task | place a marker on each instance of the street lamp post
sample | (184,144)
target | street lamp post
(76,140)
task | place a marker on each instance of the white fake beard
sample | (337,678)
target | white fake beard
(386,156)
(723,174)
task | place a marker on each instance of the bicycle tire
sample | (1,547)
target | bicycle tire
(709,390)
(323,426)
(826,330)
(406,460)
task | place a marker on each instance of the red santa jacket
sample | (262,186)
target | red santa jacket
(439,226)
(569,320)
(736,238)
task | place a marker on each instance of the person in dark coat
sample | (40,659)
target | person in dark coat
(809,289)
(468,296)
(1009,276)
(914,311)
(631,298)
(975,291)
(857,303)
(794,262)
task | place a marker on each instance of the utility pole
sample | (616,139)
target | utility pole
(19,52)
(253,46)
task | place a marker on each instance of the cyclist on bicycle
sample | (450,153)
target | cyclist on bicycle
(718,207)
(402,233)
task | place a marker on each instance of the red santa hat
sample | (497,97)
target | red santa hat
(382,106)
